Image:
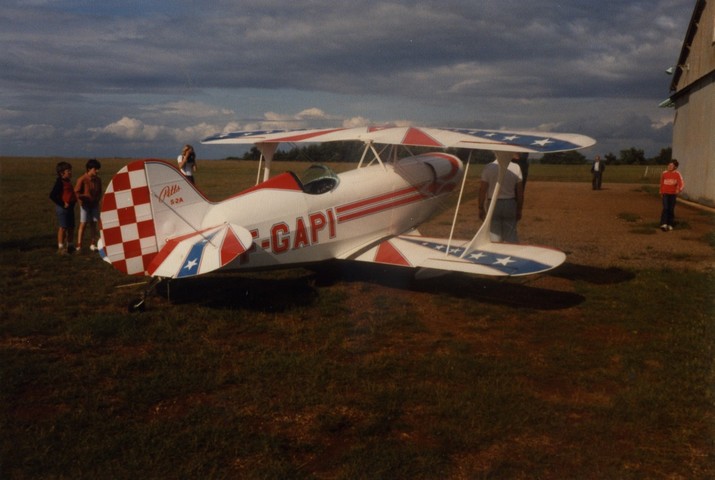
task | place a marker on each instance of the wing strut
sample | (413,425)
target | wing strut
(482,236)
(258,172)
(267,150)
(370,146)
(459,202)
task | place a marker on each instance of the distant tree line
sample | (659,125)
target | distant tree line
(352,151)
(632,156)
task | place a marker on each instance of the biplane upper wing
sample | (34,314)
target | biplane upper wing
(491,259)
(497,140)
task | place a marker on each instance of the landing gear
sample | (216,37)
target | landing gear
(138,305)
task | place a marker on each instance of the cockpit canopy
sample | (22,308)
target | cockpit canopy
(319,179)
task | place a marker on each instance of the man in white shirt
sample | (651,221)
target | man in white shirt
(510,200)
(597,170)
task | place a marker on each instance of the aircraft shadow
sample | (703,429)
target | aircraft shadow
(229,291)
(500,292)
(267,293)
(455,285)
(595,275)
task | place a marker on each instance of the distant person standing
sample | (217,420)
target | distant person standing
(63,196)
(187,162)
(671,184)
(509,202)
(89,191)
(597,169)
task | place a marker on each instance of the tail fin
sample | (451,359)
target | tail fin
(146,203)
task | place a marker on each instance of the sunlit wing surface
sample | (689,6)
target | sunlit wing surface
(492,259)
(497,140)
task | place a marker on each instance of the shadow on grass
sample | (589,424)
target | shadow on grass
(455,285)
(500,292)
(275,293)
(595,275)
(232,291)
(31,243)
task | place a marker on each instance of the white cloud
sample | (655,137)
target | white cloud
(130,129)
(136,130)
(134,78)
(36,132)
(355,122)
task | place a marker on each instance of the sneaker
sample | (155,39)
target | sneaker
(670,228)
(93,248)
(664,227)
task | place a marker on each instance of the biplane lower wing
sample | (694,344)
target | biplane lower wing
(494,259)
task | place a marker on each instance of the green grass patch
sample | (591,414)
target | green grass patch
(297,374)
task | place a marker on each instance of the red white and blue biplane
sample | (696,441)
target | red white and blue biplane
(155,223)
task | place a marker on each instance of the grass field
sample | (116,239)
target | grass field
(348,372)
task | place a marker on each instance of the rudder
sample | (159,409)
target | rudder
(145,203)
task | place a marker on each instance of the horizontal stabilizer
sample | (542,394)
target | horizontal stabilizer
(200,252)
(493,259)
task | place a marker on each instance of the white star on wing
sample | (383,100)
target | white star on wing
(504,261)
(191,264)
(542,143)
(511,138)
(477,256)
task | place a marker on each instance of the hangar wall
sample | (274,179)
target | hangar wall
(694,143)
(694,100)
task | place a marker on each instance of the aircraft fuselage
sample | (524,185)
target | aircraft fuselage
(366,206)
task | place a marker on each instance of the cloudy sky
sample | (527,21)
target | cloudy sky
(139,78)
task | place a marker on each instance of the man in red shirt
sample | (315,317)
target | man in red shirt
(671,184)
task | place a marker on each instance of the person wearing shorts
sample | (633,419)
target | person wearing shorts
(64,198)
(89,191)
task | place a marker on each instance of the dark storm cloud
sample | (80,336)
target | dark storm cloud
(74,65)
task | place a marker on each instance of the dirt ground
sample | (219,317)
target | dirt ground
(617,226)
